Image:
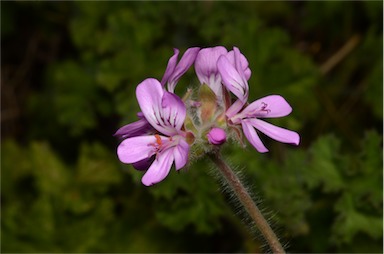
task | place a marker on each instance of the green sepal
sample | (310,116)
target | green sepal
(208,102)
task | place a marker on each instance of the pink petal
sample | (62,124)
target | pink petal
(274,106)
(238,63)
(275,132)
(173,111)
(143,165)
(247,73)
(136,149)
(232,79)
(253,138)
(159,168)
(149,94)
(215,84)
(234,108)
(180,153)
(138,128)
(206,63)
(240,58)
(182,67)
(170,67)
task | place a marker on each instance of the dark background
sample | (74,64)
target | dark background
(68,76)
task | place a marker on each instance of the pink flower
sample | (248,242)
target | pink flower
(206,66)
(267,107)
(235,77)
(235,80)
(165,112)
(164,133)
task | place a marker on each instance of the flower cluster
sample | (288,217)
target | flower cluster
(171,130)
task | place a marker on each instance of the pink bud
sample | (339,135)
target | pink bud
(216,136)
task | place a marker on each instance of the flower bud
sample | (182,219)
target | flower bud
(216,136)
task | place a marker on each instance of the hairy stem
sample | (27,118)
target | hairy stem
(247,202)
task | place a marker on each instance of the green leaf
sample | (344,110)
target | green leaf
(325,167)
(350,222)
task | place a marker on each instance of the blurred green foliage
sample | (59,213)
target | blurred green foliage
(63,188)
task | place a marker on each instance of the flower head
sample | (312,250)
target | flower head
(165,112)
(168,127)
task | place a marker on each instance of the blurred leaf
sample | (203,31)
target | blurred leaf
(325,169)
(360,207)
(350,222)
(97,165)
(71,84)
(373,83)
(189,198)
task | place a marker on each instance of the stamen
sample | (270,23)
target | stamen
(264,107)
(158,139)
(159,145)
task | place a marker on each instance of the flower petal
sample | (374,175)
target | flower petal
(206,63)
(185,62)
(275,132)
(138,128)
(150,94)
(238,63)
(173,112)
(136,149)
(253,138)
(240,58)
(232,80)
(268,107)
(180,153)
(234,108)
(159,168)
(144,164)
(170,67)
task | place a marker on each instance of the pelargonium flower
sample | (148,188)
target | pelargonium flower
(235,80)
(138,128)
(175,70)
(165,112)
(267,107)
(207,70)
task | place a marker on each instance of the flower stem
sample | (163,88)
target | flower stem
(247,202)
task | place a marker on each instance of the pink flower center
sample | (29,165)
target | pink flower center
(258,112)
(162,144)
